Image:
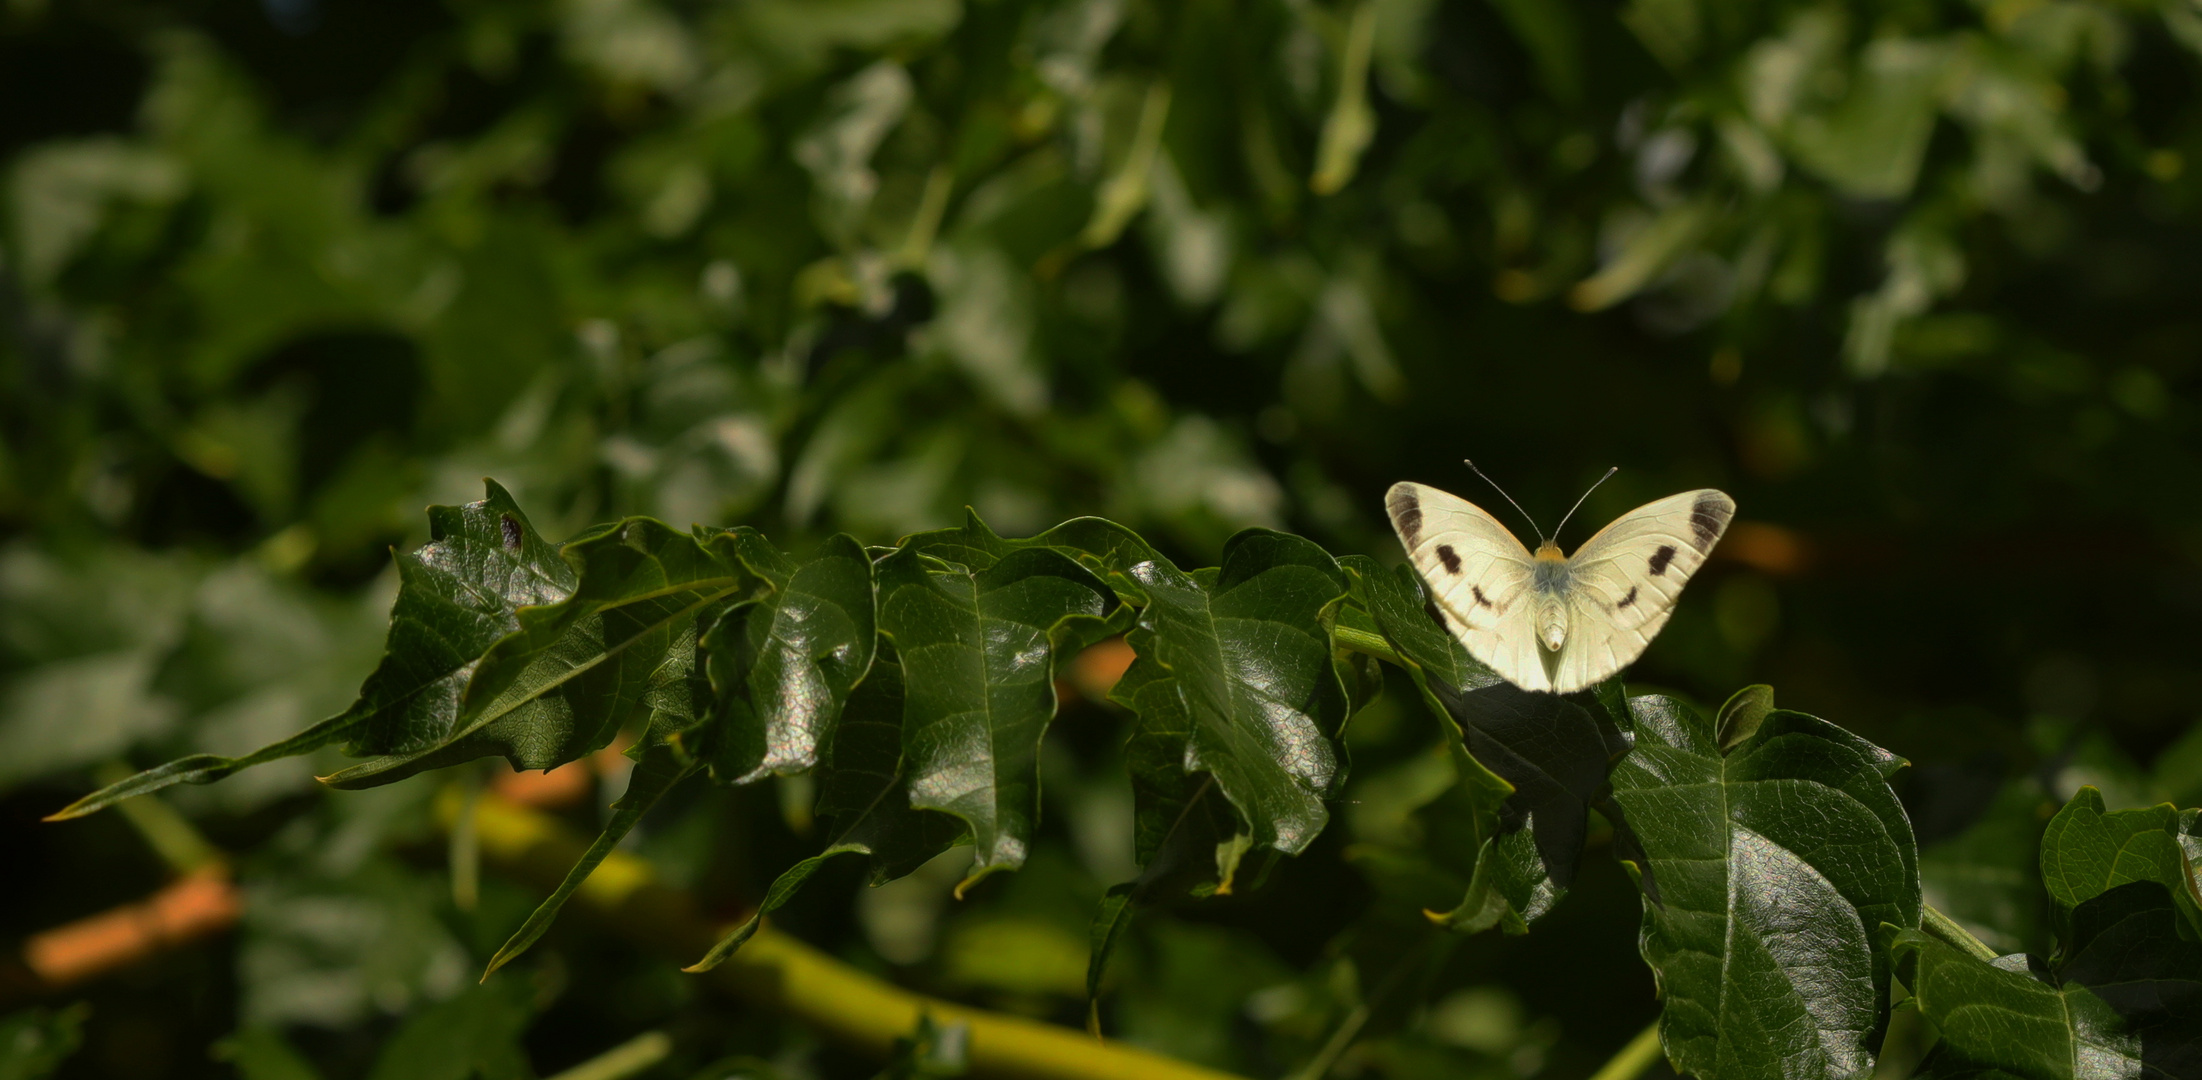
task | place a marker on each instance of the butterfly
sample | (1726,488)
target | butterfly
(1547,621)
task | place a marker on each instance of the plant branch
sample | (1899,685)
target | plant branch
(625,1060)
(1947,929)
(1631,1060)
(778,972)
(1361,641)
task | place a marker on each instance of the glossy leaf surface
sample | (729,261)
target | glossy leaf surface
(1776,862)
(979,640)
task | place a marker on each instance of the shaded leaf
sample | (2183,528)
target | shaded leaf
(34,1042)
(1987,877)
(475,1036)
(1774,861)
(2001,1016)
(932,1052)
(1235,701)
(657,769)
(1531,765)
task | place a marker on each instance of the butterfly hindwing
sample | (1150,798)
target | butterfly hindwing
(1479,574)
(1622,584)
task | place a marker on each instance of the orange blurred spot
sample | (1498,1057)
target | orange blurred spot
(1768,548)
(185,910)
(565,785)
(547,790)
(1095,672)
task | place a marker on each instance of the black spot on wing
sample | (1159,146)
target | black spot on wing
(1661,558)
(1446,555)
(1629,599)
(1707,520)
(511,529)
(1406,512)
(1480,598)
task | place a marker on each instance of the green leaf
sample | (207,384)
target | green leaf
(1742,714)
(34,1042)
(1774,861)
(573,670)
(261,1053)
(2002,1016)
(475,1036)
(979,632)
(2123,1000)
(1987,877)
(1530,766)
(1235,701)
(657,770)
(2086,851)
(864,799)
(782,666)
(499,643)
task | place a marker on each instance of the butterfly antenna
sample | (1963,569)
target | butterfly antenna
(1509,498)
(1579,502)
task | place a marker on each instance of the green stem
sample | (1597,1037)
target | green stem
(625,1060)
(1361,641)
(1946,928)
(1631,1060)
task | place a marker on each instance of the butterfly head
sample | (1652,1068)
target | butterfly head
(1550,552)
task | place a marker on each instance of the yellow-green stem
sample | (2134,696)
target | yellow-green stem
(624,1060)
(780,973)
(1633,1059)
(1946,928)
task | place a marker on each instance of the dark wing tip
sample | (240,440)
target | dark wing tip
(1405,508)
(1709,518)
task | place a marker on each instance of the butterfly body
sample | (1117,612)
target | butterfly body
(1546,620)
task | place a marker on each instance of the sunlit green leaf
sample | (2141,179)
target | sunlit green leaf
(782,665)
(864,799)
(979,637)
(1775,863)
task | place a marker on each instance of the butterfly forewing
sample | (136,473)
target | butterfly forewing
(1622,584)
(1479,574)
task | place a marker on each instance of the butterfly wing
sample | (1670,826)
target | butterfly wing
(1622,584)
(1480,576)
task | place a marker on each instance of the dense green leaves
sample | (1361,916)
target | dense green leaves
(1776,862)
(458,597)
(979,640)
(2122,997)
(2002,1013)
(34,1042)
(2087,852)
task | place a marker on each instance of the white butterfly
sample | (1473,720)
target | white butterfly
(1548,621)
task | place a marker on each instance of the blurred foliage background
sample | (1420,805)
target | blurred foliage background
(1914,281)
